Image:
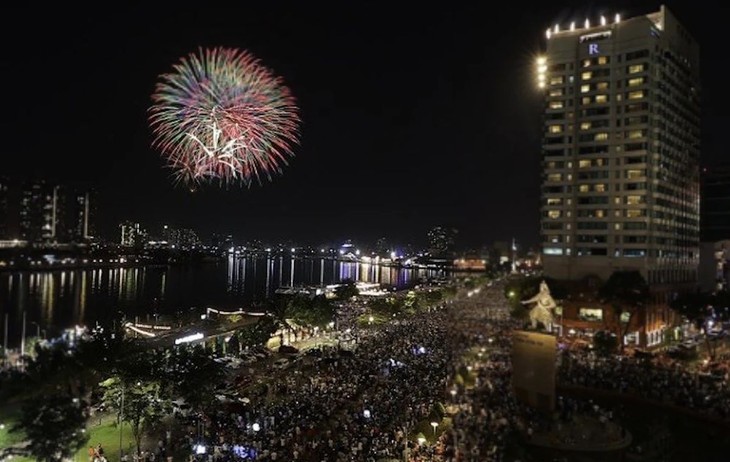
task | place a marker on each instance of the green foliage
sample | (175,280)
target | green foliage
(255,335)
(346,290)
(433,297)
(694,306)
(439,410)
(137,403)
(605,343)
(627,292)
(54,426)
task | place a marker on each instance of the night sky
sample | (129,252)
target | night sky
(412,116)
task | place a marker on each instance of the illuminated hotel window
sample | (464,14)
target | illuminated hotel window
(585,126)
(617,226)
(601,136)
(585,88)
(584,188)
(617,200)
(634,68)
(636,81)
(586,75)
(586,100)
(599,162)
(634,213)
(554,201)
(603,60)
(601,98)
(584,163)
(634,174)
(555,177)
(556,104)
(586,62)
(555,129)
(557,80)
(634,134)
(553,251)
(636,94)
(600,213)
(600,187)
(602,86)
(634,200)
(556,92)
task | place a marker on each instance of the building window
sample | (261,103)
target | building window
(585,88)
(600,213)
(634,68)
(584,163)
(636,81)
(634,252)
(556,104)
(590,314)
(555,129)
(602,86)
(635,173)
(634,200)
(635,213)
(635,94)
(586,75)
(554,214)
(553,251)
(557,80)
(555,177)
(554,201)
(584,188)
(603,60)
(556,92)
(586,62)
(585,126)
(603,136)
(600,187)
(601,98)
(586,100)
(635,134)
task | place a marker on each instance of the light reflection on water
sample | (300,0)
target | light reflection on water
(62,298)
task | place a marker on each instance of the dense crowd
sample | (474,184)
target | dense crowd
(668,382)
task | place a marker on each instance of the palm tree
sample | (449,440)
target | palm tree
(626,292)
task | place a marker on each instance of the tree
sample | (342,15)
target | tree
(346,290)
(255,335)
(626,292)
(54,426)
(696,307)
(605,343)
(193,375)
(137,403)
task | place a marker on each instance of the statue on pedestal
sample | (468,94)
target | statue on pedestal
(543,309)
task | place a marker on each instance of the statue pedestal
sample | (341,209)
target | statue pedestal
(533,368)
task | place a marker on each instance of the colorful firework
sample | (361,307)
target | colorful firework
(223,117)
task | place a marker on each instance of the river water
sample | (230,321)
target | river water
(54,300)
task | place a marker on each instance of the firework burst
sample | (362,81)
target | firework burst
(223,117)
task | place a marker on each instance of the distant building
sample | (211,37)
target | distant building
(441,240)
(180,238)
(715,203)
(81,215)
(132,234)
(4,210)
(41,212)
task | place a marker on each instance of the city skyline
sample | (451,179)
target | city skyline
(395,140)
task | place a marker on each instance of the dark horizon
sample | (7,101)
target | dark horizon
(411,118)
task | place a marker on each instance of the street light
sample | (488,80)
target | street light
(434,425)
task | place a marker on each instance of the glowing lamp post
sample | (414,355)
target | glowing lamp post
(434,425)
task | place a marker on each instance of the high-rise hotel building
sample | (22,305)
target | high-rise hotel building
(620,186)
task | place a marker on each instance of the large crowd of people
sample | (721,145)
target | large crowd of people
(365,404)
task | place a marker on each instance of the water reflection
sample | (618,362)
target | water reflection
(60,299)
